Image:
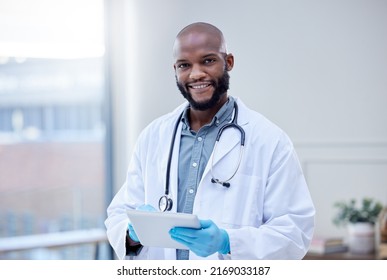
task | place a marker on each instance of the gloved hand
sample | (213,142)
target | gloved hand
(132,233)
(205,241)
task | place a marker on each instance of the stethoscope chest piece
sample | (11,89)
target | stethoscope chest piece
(165,203)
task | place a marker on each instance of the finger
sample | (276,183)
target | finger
(189,232)
(191,246)
(181,240)
(206,223)
(146,207)
(132,233)
(187,238)
(131,229)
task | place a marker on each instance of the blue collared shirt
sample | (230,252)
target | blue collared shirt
(195,151)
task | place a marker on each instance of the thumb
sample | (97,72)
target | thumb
(206,223)
(146,207)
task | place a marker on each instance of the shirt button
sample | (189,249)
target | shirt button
(200,139)
(191,191)
(194,164)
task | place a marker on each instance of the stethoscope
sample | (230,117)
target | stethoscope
(165,202)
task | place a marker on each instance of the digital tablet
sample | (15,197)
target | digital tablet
(152,228)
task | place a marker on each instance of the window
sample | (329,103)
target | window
(52,130)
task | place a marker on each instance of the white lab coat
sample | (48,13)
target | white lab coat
(267,211)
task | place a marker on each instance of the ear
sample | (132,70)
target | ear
(229,62)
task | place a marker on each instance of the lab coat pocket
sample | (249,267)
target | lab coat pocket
(243,202)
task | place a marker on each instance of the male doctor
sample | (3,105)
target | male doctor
(263,212)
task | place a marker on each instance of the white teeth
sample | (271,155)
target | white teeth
(200,86)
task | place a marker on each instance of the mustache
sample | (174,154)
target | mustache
(221,85)
(222,82)
(211,82)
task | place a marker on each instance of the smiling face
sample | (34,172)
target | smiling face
(202,65)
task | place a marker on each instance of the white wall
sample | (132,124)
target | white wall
(316,68)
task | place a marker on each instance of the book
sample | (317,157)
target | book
(327,245)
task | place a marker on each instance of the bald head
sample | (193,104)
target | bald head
(200,32)
(201,65)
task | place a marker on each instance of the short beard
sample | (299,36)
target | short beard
(221,86)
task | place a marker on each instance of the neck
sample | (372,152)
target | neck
(199,118)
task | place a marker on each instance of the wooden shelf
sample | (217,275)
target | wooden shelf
(340,256)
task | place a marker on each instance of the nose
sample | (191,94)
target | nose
(196,73)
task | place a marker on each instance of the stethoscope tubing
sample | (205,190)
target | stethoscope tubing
(165,200)
(171,153)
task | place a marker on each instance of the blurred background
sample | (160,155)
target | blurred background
(79,80)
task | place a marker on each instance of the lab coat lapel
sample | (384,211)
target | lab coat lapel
(228,141)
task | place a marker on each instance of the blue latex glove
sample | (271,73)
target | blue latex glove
(132,233)
(205,241)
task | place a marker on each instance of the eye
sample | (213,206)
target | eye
(182,65)
(209,60)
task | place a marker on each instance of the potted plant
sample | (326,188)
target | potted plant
(360,221)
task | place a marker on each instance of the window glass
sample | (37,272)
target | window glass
(52,130)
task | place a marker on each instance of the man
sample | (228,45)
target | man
(255,208)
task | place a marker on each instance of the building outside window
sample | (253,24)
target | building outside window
(52,125)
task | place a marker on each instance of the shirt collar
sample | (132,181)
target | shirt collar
(224,113)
